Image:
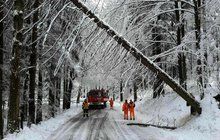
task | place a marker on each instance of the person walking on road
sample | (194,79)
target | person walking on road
(85,107)
(125,109)
(111,103)
(131,109)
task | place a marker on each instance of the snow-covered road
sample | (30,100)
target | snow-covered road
(103,124)
(109,124)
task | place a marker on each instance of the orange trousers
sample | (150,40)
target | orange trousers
(132,115)
(126,115)
(111,106)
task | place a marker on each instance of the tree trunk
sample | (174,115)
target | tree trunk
(57,101)
(52,91)
(218,65)
(70,87)
(24,104)
(39,98)
(197,10)
(79,94)
(14,96)
(121,91)
(181,57)
(1,69)
(51,101)
(33,64)
(139,56)
(158,83)
(205,49)
(135,91)
(67,90)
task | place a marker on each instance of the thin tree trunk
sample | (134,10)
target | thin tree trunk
(218,65)
(70,88)
(135,91)
(79,94)
(181,57)
(121,90)
(57,101)
(64,89)
(158,84)
(197,9)
(139,56)
(39,98)
(1,69)
(14,96)
(52,91)
(203,21)
(67,86)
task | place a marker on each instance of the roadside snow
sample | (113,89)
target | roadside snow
(46,128)
(171,110)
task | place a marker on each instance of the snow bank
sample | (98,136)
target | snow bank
(46,128)
(171,110)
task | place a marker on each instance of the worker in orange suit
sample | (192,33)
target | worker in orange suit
(125,109)
(111,103)
(131,106)
(85,107)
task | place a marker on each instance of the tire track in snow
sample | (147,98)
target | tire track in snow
(101,127)
(96,125)
(73,123)
(66,125)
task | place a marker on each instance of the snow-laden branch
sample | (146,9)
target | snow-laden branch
(45,38)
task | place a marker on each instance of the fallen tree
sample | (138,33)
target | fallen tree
(158,126)
(141,57)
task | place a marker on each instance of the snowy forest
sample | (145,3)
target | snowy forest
(162,54)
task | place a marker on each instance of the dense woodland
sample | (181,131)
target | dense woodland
(52,52)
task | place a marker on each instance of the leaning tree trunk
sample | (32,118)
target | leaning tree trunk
(1,68)
(14,95)
(139,56)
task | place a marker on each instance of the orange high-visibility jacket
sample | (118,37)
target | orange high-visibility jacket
(85,105)
(131,106)
(111,102)
(125,107)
